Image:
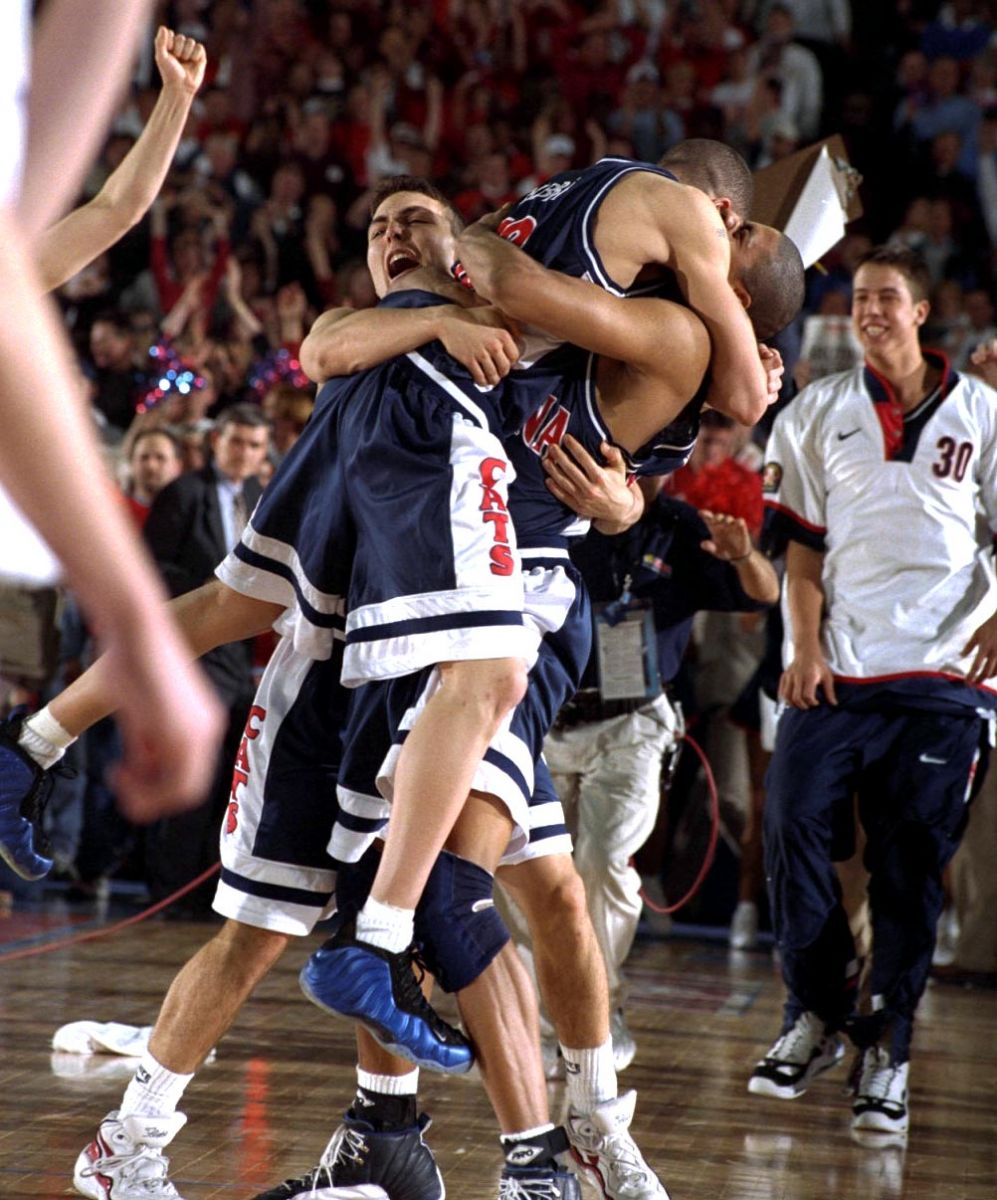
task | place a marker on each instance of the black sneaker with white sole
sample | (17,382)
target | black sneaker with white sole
(796,1058)
(396,1162)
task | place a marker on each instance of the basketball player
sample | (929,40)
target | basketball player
(616,222)
(884,479)
(229,977)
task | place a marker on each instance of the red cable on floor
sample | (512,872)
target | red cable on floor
(93,934)
(711,847)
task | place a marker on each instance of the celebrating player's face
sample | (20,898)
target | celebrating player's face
(884,313)
(407,231)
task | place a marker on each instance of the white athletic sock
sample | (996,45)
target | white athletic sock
(389,1085)
(44,739)
(590,1076)
(385,925)
(154,1091)
(523,1134)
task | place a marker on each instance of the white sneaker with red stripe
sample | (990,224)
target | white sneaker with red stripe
(602,1146)
(125,1160)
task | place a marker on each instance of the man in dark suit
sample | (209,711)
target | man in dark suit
(192,525)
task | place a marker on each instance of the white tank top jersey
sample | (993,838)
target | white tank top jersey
(905,507)
(24,557)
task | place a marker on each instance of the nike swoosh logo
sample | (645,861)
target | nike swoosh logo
(843,437)
(930,758)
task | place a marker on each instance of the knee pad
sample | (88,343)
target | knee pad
(457,923)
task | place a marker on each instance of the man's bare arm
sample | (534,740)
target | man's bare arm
(129,192)
(51,465)
(82,53)
(345,340)
(653,336)
(211,615)
(648,219)
(808,669)
(730,541)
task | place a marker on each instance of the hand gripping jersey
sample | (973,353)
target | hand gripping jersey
(569,405)
(905,507)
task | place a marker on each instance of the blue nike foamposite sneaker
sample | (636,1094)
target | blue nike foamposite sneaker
(24,789)
(378,988)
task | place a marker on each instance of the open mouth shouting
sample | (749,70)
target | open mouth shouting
(400,261)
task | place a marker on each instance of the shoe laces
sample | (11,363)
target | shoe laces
(620,1154)
(876,1077)
(411,971)
(143,1167)
(512,1187)
(35,803)
(796,1044)
(346,1145)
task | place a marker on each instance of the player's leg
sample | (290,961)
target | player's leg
(440,758)
(617,809)
(273,836)
(126,1154)
(357,976)
(466,947)
(207,617)
(914,807)
(810,783)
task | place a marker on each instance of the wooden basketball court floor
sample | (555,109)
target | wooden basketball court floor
(265,1108)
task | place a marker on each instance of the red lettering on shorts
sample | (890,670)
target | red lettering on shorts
(501,523)
(495,513)
(502,561)
(241,772)
(255,714)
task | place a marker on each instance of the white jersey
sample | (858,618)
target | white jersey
(905,506)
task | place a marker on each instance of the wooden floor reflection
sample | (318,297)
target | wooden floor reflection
(701,1016)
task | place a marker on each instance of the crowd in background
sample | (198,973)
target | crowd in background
(309,103)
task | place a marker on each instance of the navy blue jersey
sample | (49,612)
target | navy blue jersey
(569,405)
(555,223)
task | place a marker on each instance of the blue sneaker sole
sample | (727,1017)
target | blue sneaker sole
(381,1034)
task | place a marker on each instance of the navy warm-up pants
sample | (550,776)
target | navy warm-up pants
(913,773)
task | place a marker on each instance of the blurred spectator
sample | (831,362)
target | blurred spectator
(829,344)
(193,523)
(641,116)
(778,56)
(962,29)
(943,249)
(987,184)
(494,188)
(118,376)
(942,110)
(154,461)
(287,408)
(185,263)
